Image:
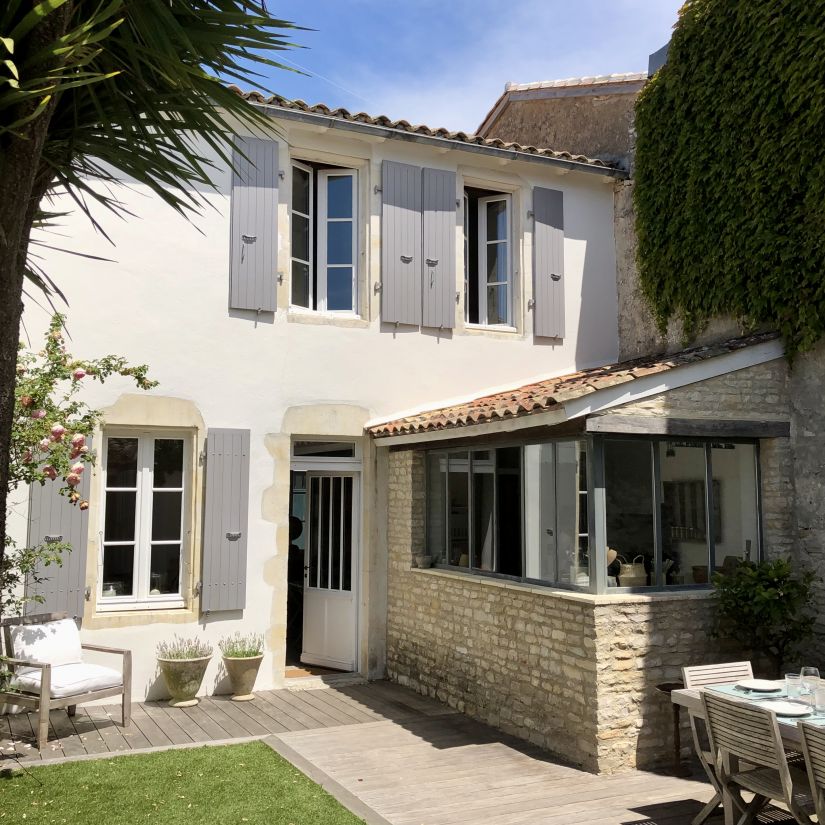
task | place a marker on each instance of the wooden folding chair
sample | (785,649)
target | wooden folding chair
(813,748)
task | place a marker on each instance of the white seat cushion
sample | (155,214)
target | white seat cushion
(54,643)
(70,680)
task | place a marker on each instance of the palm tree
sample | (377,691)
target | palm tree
(95,90)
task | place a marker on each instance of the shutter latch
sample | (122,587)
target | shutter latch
(198,588)
(88,594)
(234,535)
(531,303)
(378,287)
(249,238)
(406,259)
(52,539)
(554,276)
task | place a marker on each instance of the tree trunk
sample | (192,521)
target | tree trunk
(23,183)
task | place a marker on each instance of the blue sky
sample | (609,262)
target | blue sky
(445,62)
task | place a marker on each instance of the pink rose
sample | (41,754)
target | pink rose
(73,479)
(83,450)
(58,431)
(27,457)
(78,374)
(50,472)
(44,444)
(26,400)
(77,469)
(39,414)
(78,440)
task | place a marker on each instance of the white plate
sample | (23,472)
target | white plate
(760,685)
(781,708)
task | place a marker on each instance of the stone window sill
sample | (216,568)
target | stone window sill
(568,595)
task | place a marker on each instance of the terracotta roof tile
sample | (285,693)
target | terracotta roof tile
(554,392)
(405,126)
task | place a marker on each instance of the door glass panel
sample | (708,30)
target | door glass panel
(118,571)
(168,463)
(339,288)
(166,510)
(300,284)
(331,520)
(458,549)
(483,474)
(335,545)
(300,190)
(497,304)
(164,573)
(346,558)
(629,511)
(120,516)
(324,535)
(339,196)
(339,242)
(496,221)
(508,510)
(314,529)
(121,462)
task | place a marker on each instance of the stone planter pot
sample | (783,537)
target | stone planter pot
(183,678)
(242,674)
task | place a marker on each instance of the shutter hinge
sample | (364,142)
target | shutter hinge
(457,203)
(457,297)
(531,213)
(378,287)
(377,189)
(198,588)
(531,303)
(281,174)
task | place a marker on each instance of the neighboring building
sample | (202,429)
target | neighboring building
(407,340)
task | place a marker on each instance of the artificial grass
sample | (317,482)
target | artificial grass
(218,785)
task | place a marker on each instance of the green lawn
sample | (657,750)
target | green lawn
(221,785)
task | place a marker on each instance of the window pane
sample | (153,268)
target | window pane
(120,517)
(736,516)
(540,512)
(346,582)
(684,531)
(508,510)
(166,510)
(323,535)
(629,511)
(339,242)
(314,529)
(496,263)
(300,284)
(497,304)
(335,540)
(324,449)
(459,512)
(300,190)
(496,221)
(300,237)
(121,462)
(168,462)
(339,196)
(483,469)
(164,574)
(436,505)
(339,288)
(118,571)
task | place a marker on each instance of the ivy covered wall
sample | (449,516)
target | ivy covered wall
(730,169)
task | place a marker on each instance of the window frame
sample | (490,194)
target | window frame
(318,222)
(483,243)
(141,599)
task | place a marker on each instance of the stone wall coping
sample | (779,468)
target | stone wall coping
(568,595)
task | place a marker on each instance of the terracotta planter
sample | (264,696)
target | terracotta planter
(183,678)
(242,674)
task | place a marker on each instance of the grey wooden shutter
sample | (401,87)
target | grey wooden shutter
(439,287)
(52,518)
(401,264)
(225,520)
(548,284)
(254,222)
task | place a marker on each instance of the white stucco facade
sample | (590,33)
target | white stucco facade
(162,300)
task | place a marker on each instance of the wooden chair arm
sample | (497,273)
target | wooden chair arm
(24,663)
(104,649)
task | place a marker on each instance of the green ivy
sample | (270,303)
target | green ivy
(730,169)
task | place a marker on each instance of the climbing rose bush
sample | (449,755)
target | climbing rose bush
(51,432)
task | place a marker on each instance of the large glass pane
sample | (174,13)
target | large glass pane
(121,462)
(300,190)
(437,506)
(629,511)
(324,449)
(496,221)
(314,529)
(335,535)
(324,535)
(483,473)
(459,510)
(346,579)
(735,511)
(339,242)
(300,237)
(120,517)
(496,263)
(300,284)
(571,506)
(497,304)
(168,463)
(339,288)
(164,572)
(540,512)
(684,512)
(508,510)
(339,196)
(118,571)
(166,512)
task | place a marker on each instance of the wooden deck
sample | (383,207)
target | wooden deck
(394,757)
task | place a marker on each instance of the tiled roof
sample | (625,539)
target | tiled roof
(554,392)
(596,80)
(406,127)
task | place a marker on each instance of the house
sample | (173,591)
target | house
(386,347)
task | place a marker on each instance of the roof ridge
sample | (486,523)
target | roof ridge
(586,80)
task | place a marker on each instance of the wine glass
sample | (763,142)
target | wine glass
(810,680)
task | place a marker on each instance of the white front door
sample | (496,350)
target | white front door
(330,570)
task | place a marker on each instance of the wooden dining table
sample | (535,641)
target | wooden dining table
(691,700)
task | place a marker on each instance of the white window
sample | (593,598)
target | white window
(488,258)
(324,238)
(142,530)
